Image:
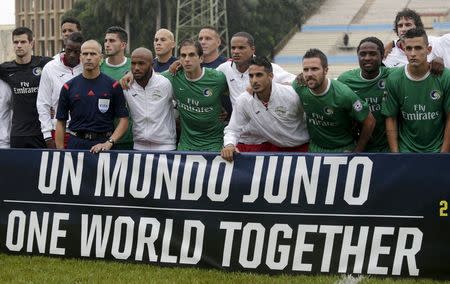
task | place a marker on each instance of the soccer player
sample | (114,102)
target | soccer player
(93,100)
(5,114)
(58,71)
(116,65)
(236,72)
(68,26)
(164,44)
(210,41)
(23,75)
(368,82)
(417,103)
(275,110)
(405,20)
(149,100)
(331,107)
(198,93)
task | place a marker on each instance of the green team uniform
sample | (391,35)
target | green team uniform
(117,72)
(420,106)
(330,116)
(199,105)
(372,91)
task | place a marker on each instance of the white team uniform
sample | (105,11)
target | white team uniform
(53,77)
(238,83)
(441,48)
(152,112)
(282,123)
(5,114)
(398,58)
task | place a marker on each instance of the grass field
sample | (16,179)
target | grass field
(36,269)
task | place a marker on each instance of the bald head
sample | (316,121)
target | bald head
(165,33)
(143,52)
(92,44)
(164,44)
(141,65)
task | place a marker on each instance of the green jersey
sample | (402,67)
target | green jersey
(117,72)
(199,105)
(330,116)
(372,91)
(420,107)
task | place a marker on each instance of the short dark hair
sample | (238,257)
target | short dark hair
(21,31)
(376,41)
(211,28)
(249,37)
(121,33)
(191,42)
(317,53)
(417,32)
(262,61)
(408,13)
(72,21)
(76,37)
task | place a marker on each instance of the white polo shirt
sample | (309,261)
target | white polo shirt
(282,123)
(152,112)
(441,48)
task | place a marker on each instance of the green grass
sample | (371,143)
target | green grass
(37,269)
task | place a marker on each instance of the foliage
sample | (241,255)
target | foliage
(267,20)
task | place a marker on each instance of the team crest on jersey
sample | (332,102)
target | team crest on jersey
(156,95)
(381,84)
(103,105)
(435,95)
(328,110)
(357,106)
(37,71)
(280,110)
(207,92)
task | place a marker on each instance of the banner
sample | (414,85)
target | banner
(379,214)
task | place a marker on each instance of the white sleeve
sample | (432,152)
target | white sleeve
(238,120)
(44,103)
(5,114)
(282,76)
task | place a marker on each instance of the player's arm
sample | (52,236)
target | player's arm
(388,48)
(44,105)
(392,133)
(126,80)
(60,133)
(446,143)
(233,130)
(368,125)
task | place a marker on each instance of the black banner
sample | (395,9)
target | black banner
(380,214)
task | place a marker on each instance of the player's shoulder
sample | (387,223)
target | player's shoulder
(213,73)
(350,75)
(40,61)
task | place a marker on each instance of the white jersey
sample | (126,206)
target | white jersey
(398,58)
(53,77)
(238,83)
(282,123)
(441,48)
(5,114)
(152,112)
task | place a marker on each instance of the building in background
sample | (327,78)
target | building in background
(6,48)
(43,17)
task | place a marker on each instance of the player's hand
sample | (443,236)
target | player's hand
(50,143)
(126,81)
(388,49)
(300,79)
(437,66)
(228,152)
(101,147)
(175,66)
